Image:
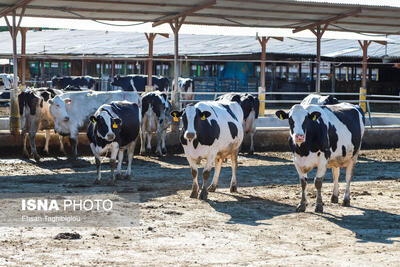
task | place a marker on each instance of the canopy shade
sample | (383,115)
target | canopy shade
(250,13)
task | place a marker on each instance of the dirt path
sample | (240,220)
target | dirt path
(257,226)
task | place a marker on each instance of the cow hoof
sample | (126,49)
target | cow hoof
(96,181)
(233,189)
(301,207)
(346,202)
(203,194)
(194,194)
(159,154)
(334,199)
(142,153)
(127,176)
(251,153)
(164,151)
(37,157)
(118,176)
(212,188)
(46,152)
(319,208)
(26,155)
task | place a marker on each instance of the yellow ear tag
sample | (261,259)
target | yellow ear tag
(203,118)
(93,120)
(176,119)
(115,126)
(280,116)
(314,118)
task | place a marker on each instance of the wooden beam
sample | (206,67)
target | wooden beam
(380,42)
(327,21)
(19,4)
(184,13)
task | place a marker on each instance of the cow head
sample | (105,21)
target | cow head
(193,120)
(107,126)
(299,120)
(116,80)
(58,108)
(30,99)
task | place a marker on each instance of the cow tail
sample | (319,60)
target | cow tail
(21,102)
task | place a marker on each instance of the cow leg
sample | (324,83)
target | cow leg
(113,157)
(25,140)
(318,185)
(98,163)
(335,194)
(74,145)
(131,149)
(214,184)
(163,146)
(142,140)
(33,145)
(303,181)
(349,176)
(61,138)
(159,139)
(148,148)
(46,144)
(251,152)
(195,172)
(234,157)
(120,159)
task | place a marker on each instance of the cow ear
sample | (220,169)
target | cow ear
(204,115)
(93,119)
(314,116)
(176,115)
(282,115)
(67,101)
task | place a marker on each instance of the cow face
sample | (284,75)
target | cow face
(195,121)
(107,127)
(58,108)
(299,120)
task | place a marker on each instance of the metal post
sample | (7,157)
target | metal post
(150,38)
(14,114)
(261,90)
(23,52)
(363,89)
(318,80)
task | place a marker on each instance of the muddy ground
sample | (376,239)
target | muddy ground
(256,226)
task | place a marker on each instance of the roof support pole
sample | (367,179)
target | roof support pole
(150,38)
(83,72)
(318,32)
(23,54)
(175,26)
(363,89)
(14,113)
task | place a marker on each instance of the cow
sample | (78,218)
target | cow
(71,111)
(74,82)
(155,118)
(250,106)
(138,82)
(35,115)
(114,127)
(316,99)
(186,87)
(213,131)
(6,84)
(327,136)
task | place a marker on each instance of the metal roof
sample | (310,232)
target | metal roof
(294,14)
(81,42)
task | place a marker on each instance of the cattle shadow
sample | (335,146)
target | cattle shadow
(370,226)
(249,210)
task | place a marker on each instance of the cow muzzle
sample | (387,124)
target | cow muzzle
(66,118)
(299,138)
(190,136)
(110,137)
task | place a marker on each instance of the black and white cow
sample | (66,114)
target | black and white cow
(155,119)
(316,99)
(138,82)
(74,82)
(186,87)
(212,131)
(35,115)
(250,106)
(71,111)
(6,84)
(114,127)
(327,136)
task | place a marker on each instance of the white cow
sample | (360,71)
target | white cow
(71,111)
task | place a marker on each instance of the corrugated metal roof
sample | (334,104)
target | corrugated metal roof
(80,42)
(251,13)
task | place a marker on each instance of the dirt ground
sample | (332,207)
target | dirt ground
(257,226)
